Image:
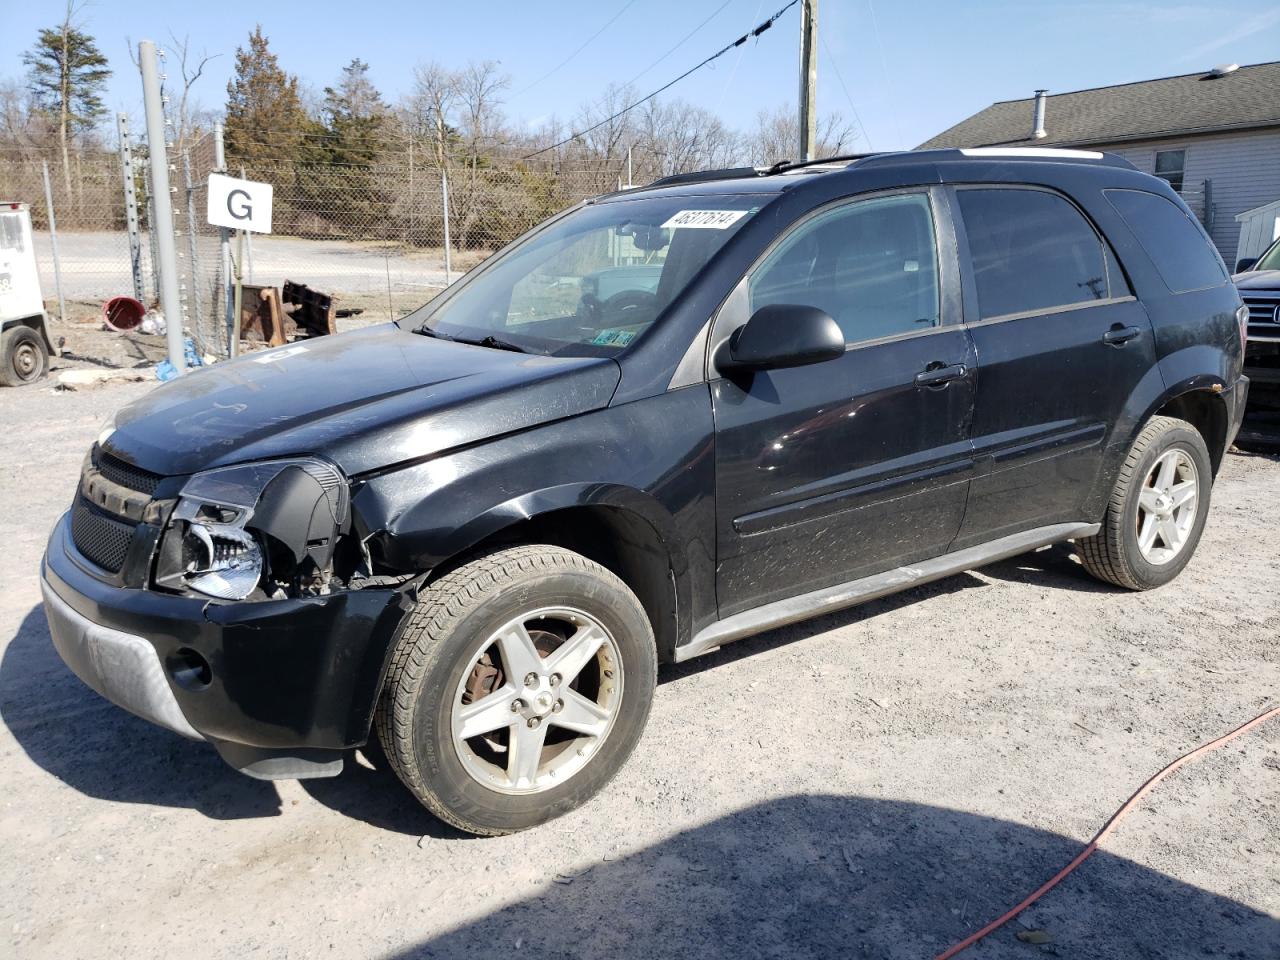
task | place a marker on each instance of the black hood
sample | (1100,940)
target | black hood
(1257,280)
(366,399)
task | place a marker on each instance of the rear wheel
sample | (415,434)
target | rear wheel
(23,357)
(1157,509)
(520,686)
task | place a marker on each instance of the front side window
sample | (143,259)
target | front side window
(1170,166)
(1032,251)
(593,282)
(872,265)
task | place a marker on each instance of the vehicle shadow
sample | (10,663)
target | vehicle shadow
(104,752)
(816,876)
(1053,567)
(805,629)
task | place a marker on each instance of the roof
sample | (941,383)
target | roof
(1171,106)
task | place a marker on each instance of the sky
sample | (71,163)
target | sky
(902,71)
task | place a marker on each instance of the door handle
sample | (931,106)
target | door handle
(1118,336)
(939,375)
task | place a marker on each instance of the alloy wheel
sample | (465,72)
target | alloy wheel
(1167,506)
(536,701)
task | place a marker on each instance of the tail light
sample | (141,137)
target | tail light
(1242,318)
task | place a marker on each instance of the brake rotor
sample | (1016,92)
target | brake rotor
(486,677)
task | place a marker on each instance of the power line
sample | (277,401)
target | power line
(680,44)
(666,86)
(835,65)
(586,43)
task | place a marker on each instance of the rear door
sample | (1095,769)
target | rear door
(1061,342)
(839,469)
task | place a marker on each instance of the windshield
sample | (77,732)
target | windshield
(593,282)
(1269,260)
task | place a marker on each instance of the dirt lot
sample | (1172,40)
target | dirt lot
(876,783)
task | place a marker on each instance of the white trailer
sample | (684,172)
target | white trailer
(24,337)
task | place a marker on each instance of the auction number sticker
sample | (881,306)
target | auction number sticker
(704,219)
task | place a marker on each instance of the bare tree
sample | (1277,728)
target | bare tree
(777,136)
(428,109)
(190,69)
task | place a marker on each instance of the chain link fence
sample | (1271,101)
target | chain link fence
(381,237)
(89,208)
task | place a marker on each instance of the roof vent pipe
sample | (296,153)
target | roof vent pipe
(1037,129)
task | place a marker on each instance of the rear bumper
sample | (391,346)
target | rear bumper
(283,687)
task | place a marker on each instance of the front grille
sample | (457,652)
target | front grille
(125,474)
(99,536)
(1263,321)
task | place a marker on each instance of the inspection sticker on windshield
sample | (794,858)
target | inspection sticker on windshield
(705,219)
(613,338)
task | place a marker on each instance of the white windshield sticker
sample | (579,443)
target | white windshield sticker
(704,219)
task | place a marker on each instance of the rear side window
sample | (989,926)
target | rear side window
(1183,256)
(1032,251)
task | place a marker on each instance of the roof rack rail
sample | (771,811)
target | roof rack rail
(783,166)
(701,176)
(1054,154)
(735,173)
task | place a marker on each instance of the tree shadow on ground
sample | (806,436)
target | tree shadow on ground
(105,752)
(824,876)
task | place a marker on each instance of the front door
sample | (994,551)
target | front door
(833,471)
(1062,344)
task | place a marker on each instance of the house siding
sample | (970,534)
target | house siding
(1243,167)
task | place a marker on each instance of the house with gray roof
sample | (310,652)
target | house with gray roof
(1215,135)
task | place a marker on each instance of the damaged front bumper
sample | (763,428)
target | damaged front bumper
(280,687)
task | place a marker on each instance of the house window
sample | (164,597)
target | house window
(1170,165)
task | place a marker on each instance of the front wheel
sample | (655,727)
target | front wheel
(1157,508)
(518,689)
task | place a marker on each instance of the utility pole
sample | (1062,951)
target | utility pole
(162,204)
(808,78)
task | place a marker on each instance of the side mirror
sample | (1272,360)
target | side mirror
(1246,263)
(782,335)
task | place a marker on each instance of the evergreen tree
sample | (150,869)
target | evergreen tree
(67,74)
(354,116)
(265,118)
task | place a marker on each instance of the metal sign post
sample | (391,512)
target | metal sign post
(241,205)
(224,237)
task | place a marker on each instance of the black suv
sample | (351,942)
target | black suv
(1259,284)
(663,420)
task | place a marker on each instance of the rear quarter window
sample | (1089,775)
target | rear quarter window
(1183,255)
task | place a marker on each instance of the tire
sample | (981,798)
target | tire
(23,357)
(451,642)
(1116,554)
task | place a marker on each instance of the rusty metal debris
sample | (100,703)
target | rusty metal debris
(275,316)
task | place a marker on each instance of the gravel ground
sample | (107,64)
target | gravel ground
(875,783)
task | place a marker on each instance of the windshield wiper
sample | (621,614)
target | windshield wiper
(488,341)
(495,344)
(428,332)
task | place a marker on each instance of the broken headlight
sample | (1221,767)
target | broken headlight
(235,528)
